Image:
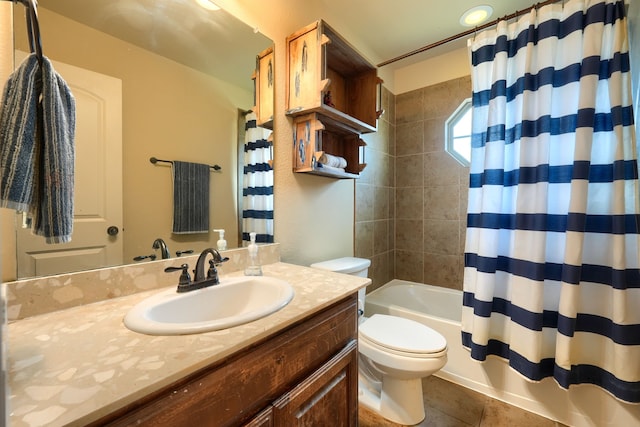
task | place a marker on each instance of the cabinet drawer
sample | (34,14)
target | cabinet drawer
(236,389)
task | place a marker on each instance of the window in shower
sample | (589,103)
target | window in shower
(457,133)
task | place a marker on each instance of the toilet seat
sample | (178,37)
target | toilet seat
(402,336)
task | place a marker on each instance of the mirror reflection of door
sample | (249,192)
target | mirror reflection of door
(98,182)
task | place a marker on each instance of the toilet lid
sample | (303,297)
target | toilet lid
(400,334)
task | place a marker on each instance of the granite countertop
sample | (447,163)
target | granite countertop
(73,366)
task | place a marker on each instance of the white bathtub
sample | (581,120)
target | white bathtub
(440,309)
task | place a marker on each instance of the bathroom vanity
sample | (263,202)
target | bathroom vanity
(82,366)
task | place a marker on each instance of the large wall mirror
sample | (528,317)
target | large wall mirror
(172,79)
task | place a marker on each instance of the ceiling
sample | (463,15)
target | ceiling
(382,29)
(390,28)
(213,42)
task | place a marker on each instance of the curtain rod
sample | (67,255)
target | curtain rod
(466,33)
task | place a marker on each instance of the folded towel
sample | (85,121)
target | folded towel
(190,197)
(333,161)
(37,148)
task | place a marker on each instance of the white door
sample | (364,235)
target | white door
(98,182)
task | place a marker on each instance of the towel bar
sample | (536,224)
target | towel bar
(154,161)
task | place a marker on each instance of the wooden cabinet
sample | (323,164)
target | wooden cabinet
(307,372)
(328,78)
(264,79)
(314,136)
(325,398)
(327,75)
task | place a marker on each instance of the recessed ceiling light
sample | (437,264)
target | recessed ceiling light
(476,15)
(208,4)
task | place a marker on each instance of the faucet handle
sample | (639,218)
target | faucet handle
(212,273)
(213,263)
(220,260)
(185,278)
(152,257)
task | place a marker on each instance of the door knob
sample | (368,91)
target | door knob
(113,231)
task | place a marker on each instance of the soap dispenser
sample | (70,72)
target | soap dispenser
(254,268)
(222,244)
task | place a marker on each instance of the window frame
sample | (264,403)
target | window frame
(449,137)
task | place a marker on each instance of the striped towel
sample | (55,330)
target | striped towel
(18,117)
(190,197)
(37,149)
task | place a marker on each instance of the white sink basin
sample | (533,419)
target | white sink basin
(235,301)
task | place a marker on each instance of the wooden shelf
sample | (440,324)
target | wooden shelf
(315,135)
(332,95)
(328,76)
(320,171)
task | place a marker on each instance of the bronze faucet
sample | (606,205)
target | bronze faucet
(200,280)
(160,244)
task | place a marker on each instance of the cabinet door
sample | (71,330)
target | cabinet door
(329,397)
(264,81)
(304,70)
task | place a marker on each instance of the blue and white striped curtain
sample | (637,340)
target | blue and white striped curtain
(634,52)
(257,188)
(552,274)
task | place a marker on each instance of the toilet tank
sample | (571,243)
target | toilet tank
(347,265)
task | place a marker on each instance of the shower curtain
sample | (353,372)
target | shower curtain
(552,274)
(257,188)
(634,52)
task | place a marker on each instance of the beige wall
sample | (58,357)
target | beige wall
(441,68)
(208,106)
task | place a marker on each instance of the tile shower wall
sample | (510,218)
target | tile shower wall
(431,187)
(411,198)
(375,195)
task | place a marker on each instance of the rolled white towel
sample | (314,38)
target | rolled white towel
(333,161)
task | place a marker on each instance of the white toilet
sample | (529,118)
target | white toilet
(395,354)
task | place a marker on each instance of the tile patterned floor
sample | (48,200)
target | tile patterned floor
(451,405)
